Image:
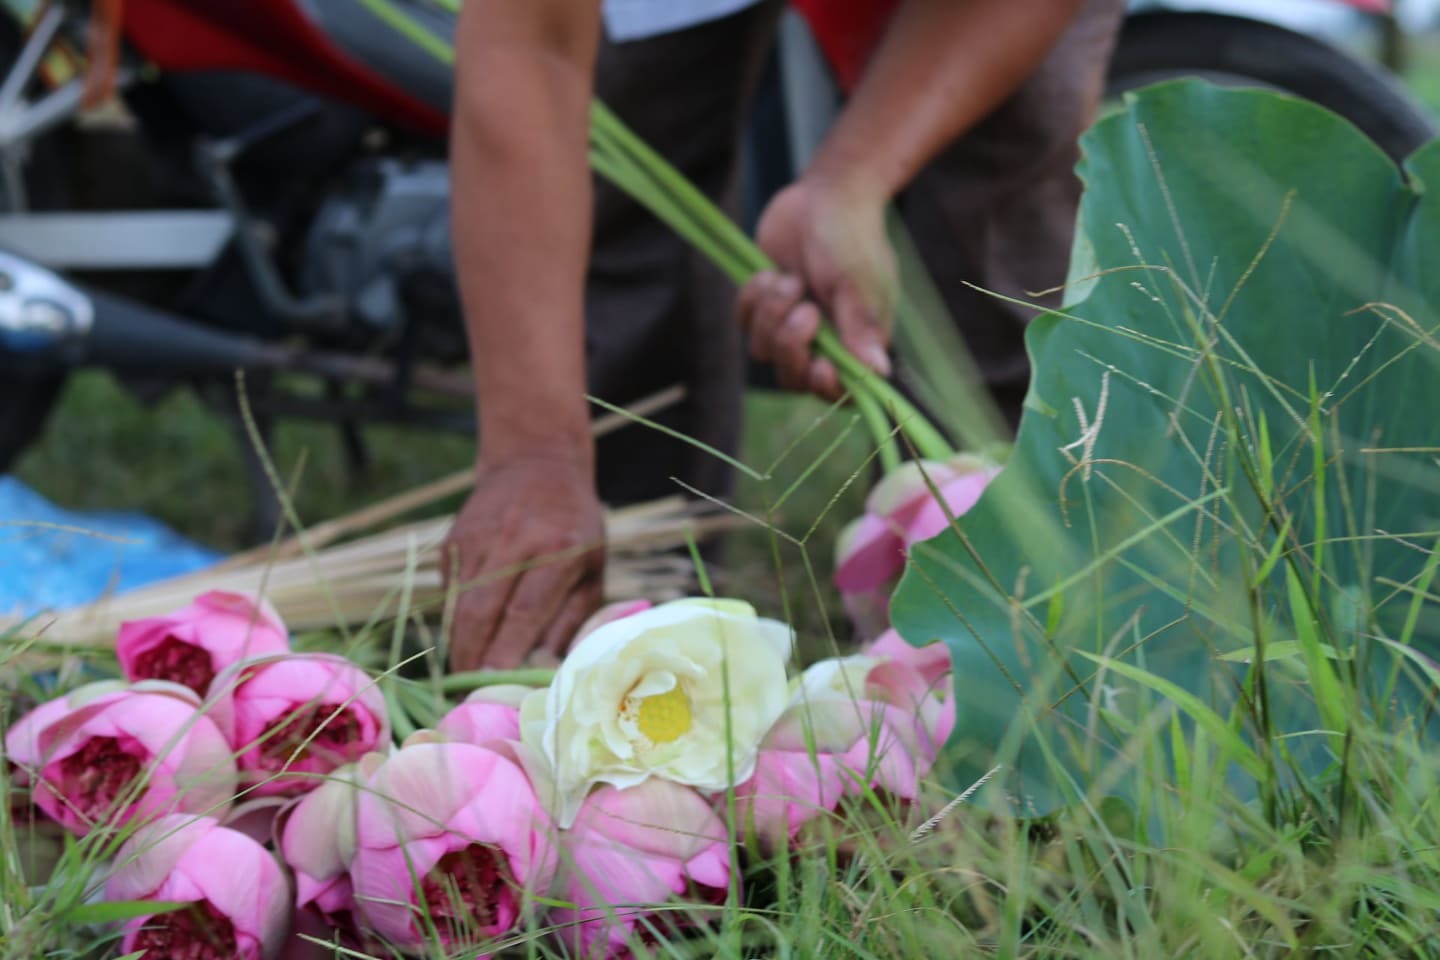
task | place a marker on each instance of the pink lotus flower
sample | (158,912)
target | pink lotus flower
(239,901)
(457,825)
(44,841)
(875,721)
(916,681)
(22,740)
(799,777)
(631,850)
(192,645)
(256,817)
(113,755)
(611,612)
(296,716)
(900,512)
(317,840)
(488,714)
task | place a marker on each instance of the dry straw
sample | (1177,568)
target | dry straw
(340,572)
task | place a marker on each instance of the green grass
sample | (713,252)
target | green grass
(177,459)
(181,461)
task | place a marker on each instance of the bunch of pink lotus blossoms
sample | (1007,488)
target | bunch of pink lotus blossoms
(913,502)
(214,710)
(261,788)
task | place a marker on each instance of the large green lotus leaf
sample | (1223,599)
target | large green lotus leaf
(1235,248)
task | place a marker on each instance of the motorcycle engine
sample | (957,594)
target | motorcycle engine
(382,242)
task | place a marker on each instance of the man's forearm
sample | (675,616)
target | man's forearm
(942,67)
(522,202)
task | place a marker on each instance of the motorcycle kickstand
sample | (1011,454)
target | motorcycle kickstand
(267,515)
(358,459)
(266,512)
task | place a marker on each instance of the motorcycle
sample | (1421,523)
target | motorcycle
(272,197)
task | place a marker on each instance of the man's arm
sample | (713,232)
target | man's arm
(941,68)
(531,533)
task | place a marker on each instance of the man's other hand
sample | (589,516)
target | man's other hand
(834,258)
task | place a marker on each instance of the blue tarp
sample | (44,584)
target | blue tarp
(52,558)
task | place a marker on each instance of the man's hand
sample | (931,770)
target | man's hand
(941,67)
(834,258)
(527,556)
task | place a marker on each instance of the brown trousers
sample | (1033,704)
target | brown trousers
(996,209)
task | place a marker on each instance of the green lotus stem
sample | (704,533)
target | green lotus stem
(422,702)
(876,421)
(606,127)
(400,721)
(929,442)
(728,249)
(627,179)
(672,198)
(417,33)
(472,680)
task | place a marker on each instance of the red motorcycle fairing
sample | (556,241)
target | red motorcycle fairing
(276,38)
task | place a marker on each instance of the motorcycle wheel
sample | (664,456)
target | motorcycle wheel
(1234,51)
(26,399)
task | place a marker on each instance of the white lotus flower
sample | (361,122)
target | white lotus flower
(834,678)
(648,695)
